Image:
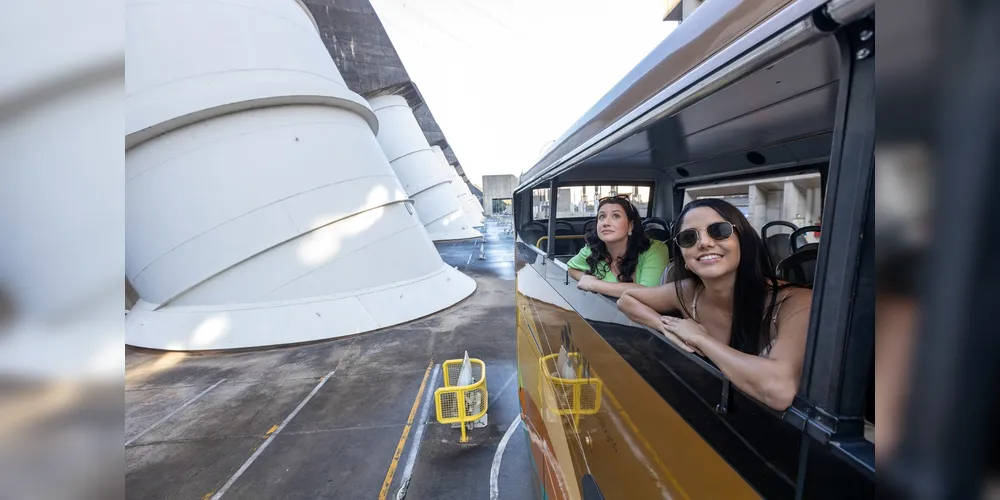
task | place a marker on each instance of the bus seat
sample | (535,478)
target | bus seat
(778,245)
(655,233)
(656,228)
(667,275)
(561,224)
(570,246)
(531,231)
(590,225)
(799,268)
(797,240)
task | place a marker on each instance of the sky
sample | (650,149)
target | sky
(504,78)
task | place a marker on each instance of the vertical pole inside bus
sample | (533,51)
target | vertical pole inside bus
(550,248)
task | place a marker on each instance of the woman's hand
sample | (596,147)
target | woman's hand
(587,282)
(686,333)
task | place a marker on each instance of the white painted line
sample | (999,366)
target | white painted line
(411,459)
(467,261)
(246,465)
(168,415)
(499,394)
(498,456)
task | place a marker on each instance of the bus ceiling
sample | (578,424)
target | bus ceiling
(765,100)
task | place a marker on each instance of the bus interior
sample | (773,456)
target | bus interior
(782,127)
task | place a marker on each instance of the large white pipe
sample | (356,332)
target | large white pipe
(465,198)
(260,207)
(424,178)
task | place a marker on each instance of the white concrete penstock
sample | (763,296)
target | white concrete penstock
(473,211)
(424,178)
(261,209)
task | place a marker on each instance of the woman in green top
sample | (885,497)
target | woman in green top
(619,256)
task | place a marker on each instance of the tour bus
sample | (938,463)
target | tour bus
(769,105)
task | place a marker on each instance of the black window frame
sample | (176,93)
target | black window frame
(841,344)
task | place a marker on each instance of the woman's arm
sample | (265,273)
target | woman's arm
(645,306)
(590,283)
(604,288)
(773,380)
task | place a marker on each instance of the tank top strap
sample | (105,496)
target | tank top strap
(694,304)
(774,324)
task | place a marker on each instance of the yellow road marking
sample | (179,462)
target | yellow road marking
(384,493)
(271,430)
(207,495)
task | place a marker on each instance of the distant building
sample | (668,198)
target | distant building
(498,193)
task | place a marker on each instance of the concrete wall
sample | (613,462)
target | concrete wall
(361,49)
(497,187)
(758,207)
(774,204)
(793,205)
(368,62)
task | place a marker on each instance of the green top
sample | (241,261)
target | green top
(652,262)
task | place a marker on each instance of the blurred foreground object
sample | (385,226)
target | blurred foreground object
(61,202)
(61,213)
(937,343)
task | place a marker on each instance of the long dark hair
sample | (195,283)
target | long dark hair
(637,243)
(755,280)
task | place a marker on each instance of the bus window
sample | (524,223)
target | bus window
(582,201)
(540,203)
(778,207)
(793,198)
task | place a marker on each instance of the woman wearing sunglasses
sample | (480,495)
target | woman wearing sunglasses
(618,256)
(732,308)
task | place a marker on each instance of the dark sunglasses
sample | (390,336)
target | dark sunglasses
(718,231)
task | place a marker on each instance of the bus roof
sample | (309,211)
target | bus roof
(715,35)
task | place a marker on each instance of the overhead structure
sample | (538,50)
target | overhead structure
(426,180)
(260,207)
(473,211)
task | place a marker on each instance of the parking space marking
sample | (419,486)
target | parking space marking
(172,413)
(498,456)
(384,492)
(418,436)
(270,437)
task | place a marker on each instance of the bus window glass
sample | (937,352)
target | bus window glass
(777,206)
(796,199)
(582,201)
(540,204)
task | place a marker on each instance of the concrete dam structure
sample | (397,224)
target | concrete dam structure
(260,208)
(426,180)
(470,205)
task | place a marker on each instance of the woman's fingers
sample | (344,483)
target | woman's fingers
(673,332)
(675,339)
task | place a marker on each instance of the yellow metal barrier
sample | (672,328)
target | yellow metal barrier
(569,396)
(472,399)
